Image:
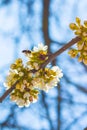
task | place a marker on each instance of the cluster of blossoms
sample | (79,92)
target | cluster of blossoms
(30,78)
(81,31)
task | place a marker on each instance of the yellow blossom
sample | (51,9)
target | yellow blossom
(81,31)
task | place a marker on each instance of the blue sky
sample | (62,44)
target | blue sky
(13,17)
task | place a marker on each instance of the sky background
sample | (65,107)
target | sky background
(21,27)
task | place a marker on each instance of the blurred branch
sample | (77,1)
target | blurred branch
(45,30)
(70,101)
(56,42)
(47,110)
(59,107)
(75,121)
(8,91)
(11,121)
(45,23)
(79,87)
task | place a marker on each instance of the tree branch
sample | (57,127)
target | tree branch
(8,91)
(61,50)
(50,59)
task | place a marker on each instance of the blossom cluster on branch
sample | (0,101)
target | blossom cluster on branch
(31,78)
(25,81)
(81,31)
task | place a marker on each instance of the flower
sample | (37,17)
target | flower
(81,31)
(47,78)
(40,47)
(58,71)
(20,102)
(26,95)
(30,83)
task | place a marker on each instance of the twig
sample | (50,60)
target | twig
(51,58)
(8,91)
(61,50)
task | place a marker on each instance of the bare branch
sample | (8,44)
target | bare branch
(8,91)
(61,50)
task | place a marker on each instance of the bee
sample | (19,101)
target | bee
(26,51)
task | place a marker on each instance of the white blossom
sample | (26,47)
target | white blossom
(21,73)
(58,71)
(26,95)
(36,66)
(40,47)
(20,102)
(27,103)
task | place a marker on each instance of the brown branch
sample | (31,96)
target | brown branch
(8,91)
(45,22)
(46,36)
(59,106)
(51,58)
(61,50)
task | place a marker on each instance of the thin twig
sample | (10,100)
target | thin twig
(61,50)
(8,91)
(50,59)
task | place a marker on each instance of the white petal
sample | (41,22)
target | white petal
(35,49)
(45,48)
(40,46)
(55,68)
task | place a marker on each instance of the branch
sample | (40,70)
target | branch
(69,127)
(61,50)
(8,91)
(51,58)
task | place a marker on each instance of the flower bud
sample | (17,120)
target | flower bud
(85,61)
(78,21)
(85,23)
(80,45)
(80,59)
(73,26)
